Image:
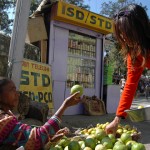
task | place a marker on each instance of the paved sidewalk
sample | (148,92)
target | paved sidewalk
(82,121)
(140,101)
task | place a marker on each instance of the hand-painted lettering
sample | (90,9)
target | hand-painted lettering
(39,96)
(35,75)
(79,15)
(45,80)
(24,77)
(70,12)
(63,9)
(93,20)
(100,22)
(108,25)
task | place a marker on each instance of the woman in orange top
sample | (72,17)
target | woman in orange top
(132,30)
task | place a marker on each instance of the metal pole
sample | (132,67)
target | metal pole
(16,51)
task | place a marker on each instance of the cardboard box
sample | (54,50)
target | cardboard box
(36,30)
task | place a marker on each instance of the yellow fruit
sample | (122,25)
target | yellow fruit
(93,136)
(104,126)
(125,130)
(98,124)
(140,107)
(100,147)
(120,131)
(98,130)
(66,148)
(87,148)
(93,132)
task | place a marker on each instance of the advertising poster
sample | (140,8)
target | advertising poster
(36,81)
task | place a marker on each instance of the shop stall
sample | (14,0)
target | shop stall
(76,51)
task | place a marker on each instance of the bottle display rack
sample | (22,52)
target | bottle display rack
(81,60)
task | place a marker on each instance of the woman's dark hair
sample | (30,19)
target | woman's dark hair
(3,82)
(132,30)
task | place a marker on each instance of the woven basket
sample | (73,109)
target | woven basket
(93,106)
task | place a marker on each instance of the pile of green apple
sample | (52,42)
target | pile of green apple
(95,138)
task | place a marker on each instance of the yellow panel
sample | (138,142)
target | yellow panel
(75,15)
(36,81)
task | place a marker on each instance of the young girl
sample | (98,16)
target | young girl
(132,30)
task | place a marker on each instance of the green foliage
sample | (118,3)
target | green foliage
(110,8)
(5,21)
(116,59)
(34,5)
(79,3)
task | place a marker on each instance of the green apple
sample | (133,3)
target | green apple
(90,142)
(120,147)
(112,137)
(82,144)
(73,145)
(63,142)
(77,88)
(100,147)
(100,134)
(106,141)
(58,147)
(125,137)
(130,143)
(138,146)
(87,148)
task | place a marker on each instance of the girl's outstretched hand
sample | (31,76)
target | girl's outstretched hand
(112,127)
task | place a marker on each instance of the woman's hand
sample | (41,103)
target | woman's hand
(72,100)
(112,127)
(59,134)
(64,130)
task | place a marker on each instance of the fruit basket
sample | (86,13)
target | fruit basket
(139,114)
(95,138)
(91,130)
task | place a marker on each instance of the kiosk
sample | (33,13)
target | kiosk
(75,51)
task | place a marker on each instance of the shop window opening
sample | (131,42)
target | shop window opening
(81,60)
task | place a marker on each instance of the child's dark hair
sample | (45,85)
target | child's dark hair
(3,82)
